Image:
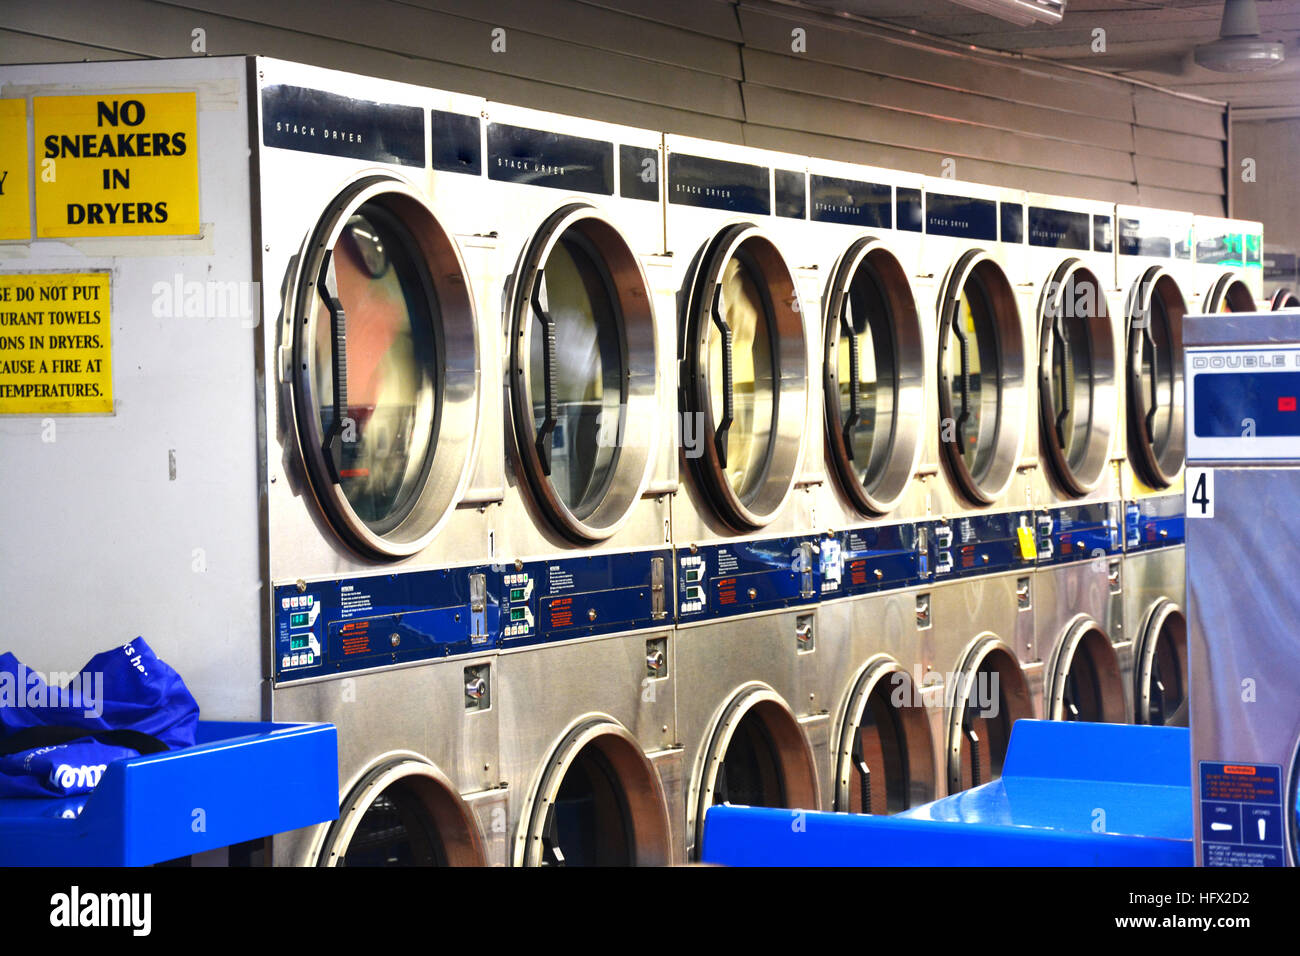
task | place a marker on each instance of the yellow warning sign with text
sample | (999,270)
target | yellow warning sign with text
(55,355)
(15,203)
(116,165)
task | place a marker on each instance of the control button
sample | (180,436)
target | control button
(286,663)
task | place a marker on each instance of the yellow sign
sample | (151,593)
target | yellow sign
(1028,546)
(54,344)
(15,203)
(120,164)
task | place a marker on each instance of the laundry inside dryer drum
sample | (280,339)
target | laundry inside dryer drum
(588,374)
(390,363)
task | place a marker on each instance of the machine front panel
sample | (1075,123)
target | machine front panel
(724,580)
(1078,532)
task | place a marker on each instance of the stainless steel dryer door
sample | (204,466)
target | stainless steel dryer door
(584,393)
(1155,378)
(874,376)
(1229,294)
(744,382)
(385,368)
(1077,384)
(981,377)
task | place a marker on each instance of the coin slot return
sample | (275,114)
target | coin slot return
(991,696)
(1161,673)
(922,612)
(478,687)
(656,658)
(404,813)
(886,750)
(1085,678)
(599,803)
(805,637)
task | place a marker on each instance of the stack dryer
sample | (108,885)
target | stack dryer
(876,363)
(1229,265)
(1154,270)
(1077,584)
(287,491)
(585,692)
(748,716)
(981,538)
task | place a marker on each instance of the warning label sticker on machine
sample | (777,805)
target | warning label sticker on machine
(55,355)
(117,165)
(1242,823)
(15,203)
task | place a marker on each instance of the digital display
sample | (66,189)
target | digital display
(516,594)
(1246,404)
(298,642)
(299,619)
(516,614)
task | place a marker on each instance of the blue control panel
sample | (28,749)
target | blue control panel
(741,577)
(350,624)
(544,601)
(866,560)
(981,544)
(1151,523)
(1078,532)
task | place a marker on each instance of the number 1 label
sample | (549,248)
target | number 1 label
(1200,492)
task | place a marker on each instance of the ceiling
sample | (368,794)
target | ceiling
(1145,40)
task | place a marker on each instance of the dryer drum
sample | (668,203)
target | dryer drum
(599,802)
(991,696)
(1161,671)
(1229,294)
(1085,677)
(744,388)
(981,377)
(403,813)
(757,756)
(874,376)
(1077,385)
(583,374)
(1284,299)
(886,752)
(385,384)
(1155,378)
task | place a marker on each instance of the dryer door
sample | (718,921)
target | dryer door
(1229,294)
(1284,299)
(1161,667)
(584,393)
(1077,385)
(991,695)
(1085,682)
(981,377)
(745,376)
(874,377)
(385,368)
(1155,377)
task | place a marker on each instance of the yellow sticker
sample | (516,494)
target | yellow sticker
(15,203)
(1028,546)
(55,357)
(117,165)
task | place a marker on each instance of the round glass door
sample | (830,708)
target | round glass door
(874,377)
(981,377)
(1085,677)
(1077,385)
(385,353)
(1229,294)
(745,388)
(1161,672)
(992,694)
(599,803)
(1284,299)
(582,373)
(886,755)
(1155,378)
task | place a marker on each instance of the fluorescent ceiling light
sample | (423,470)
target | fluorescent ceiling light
(1021,12)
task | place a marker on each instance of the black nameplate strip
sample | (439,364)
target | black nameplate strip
(851,202)
(961,216)
(456,144)
(638,173)
(907,210)
(791,194)
(1133,241)
(1059,228)
(1012,218)
(1103,234)
(539,157)
(719,184)
(314,121)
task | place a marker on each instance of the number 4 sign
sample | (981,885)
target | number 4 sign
(1200,492)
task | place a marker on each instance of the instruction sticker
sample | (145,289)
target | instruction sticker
(55,355)
(1242,823)
(15,203)
(117,165)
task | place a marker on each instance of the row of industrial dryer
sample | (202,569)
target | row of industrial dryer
(586,477)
